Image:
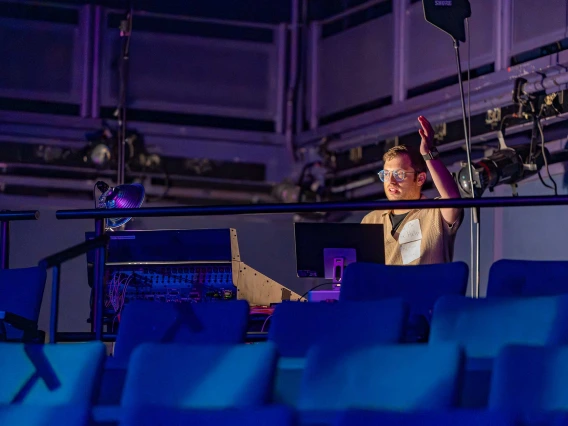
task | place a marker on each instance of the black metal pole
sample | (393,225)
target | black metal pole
(531,201)
(464,117)
(5,217)
(475,266)
(4,245)
(98,282)
(54,314)
(81,336)
(125,32)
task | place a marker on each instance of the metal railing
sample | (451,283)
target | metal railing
(6,217)
(80,336)
(100,215)
(55,261)
(314,207)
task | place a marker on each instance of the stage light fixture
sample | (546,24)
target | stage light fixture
(126,196)
(100,156)
(505,166)
(102,151)
(99,152)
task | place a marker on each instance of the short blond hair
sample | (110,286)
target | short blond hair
(416,160)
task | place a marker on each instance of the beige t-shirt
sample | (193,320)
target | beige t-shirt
(427,237)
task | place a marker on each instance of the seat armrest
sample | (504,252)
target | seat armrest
(29,327)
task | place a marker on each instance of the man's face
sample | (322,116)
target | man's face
(409,188)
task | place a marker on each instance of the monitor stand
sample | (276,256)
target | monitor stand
(335,260)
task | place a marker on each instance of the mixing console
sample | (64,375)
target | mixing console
(180,266)
(167,283)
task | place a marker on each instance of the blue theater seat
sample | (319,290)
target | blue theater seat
(200,323)
(485,326)
(427,418)
(144,321)
(381,377)
(298,326)
(50,375)
(257,416)
(420,286)
(527,278)
(200,377)
(41,415)
(21,293)
(530,379)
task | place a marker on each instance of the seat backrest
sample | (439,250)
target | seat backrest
(407,377)
(221,322)
(485,326)
(527,278)
(272,415)
(530,379)
(68,415)
(296,326)
(420,286)
(200,377)
(427,418)
(50,374)
(21,293)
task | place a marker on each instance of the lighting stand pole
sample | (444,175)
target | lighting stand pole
(449,16)
(475,211)
(97,324)
(125,33)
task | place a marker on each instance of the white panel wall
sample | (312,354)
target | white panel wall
(356,66)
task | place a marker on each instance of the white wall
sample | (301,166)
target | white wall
(538,233)
(525,233)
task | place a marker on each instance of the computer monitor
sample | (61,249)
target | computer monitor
(323,250)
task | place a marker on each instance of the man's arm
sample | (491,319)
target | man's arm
(441,176)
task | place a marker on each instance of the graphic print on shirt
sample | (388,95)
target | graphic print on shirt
(410,240)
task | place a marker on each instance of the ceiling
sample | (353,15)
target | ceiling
(267,11)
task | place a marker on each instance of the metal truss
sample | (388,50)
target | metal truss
(298,136)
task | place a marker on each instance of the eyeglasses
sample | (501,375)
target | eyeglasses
(399,175)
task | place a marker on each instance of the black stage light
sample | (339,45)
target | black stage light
(102,151)
(507,165)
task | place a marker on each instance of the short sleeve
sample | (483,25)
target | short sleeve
(372,218)
(452,228)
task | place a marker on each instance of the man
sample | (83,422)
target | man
(421,236)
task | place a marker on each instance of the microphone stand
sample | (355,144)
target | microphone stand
(125,33)
(475,270)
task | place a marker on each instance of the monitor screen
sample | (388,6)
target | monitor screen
(316,243)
